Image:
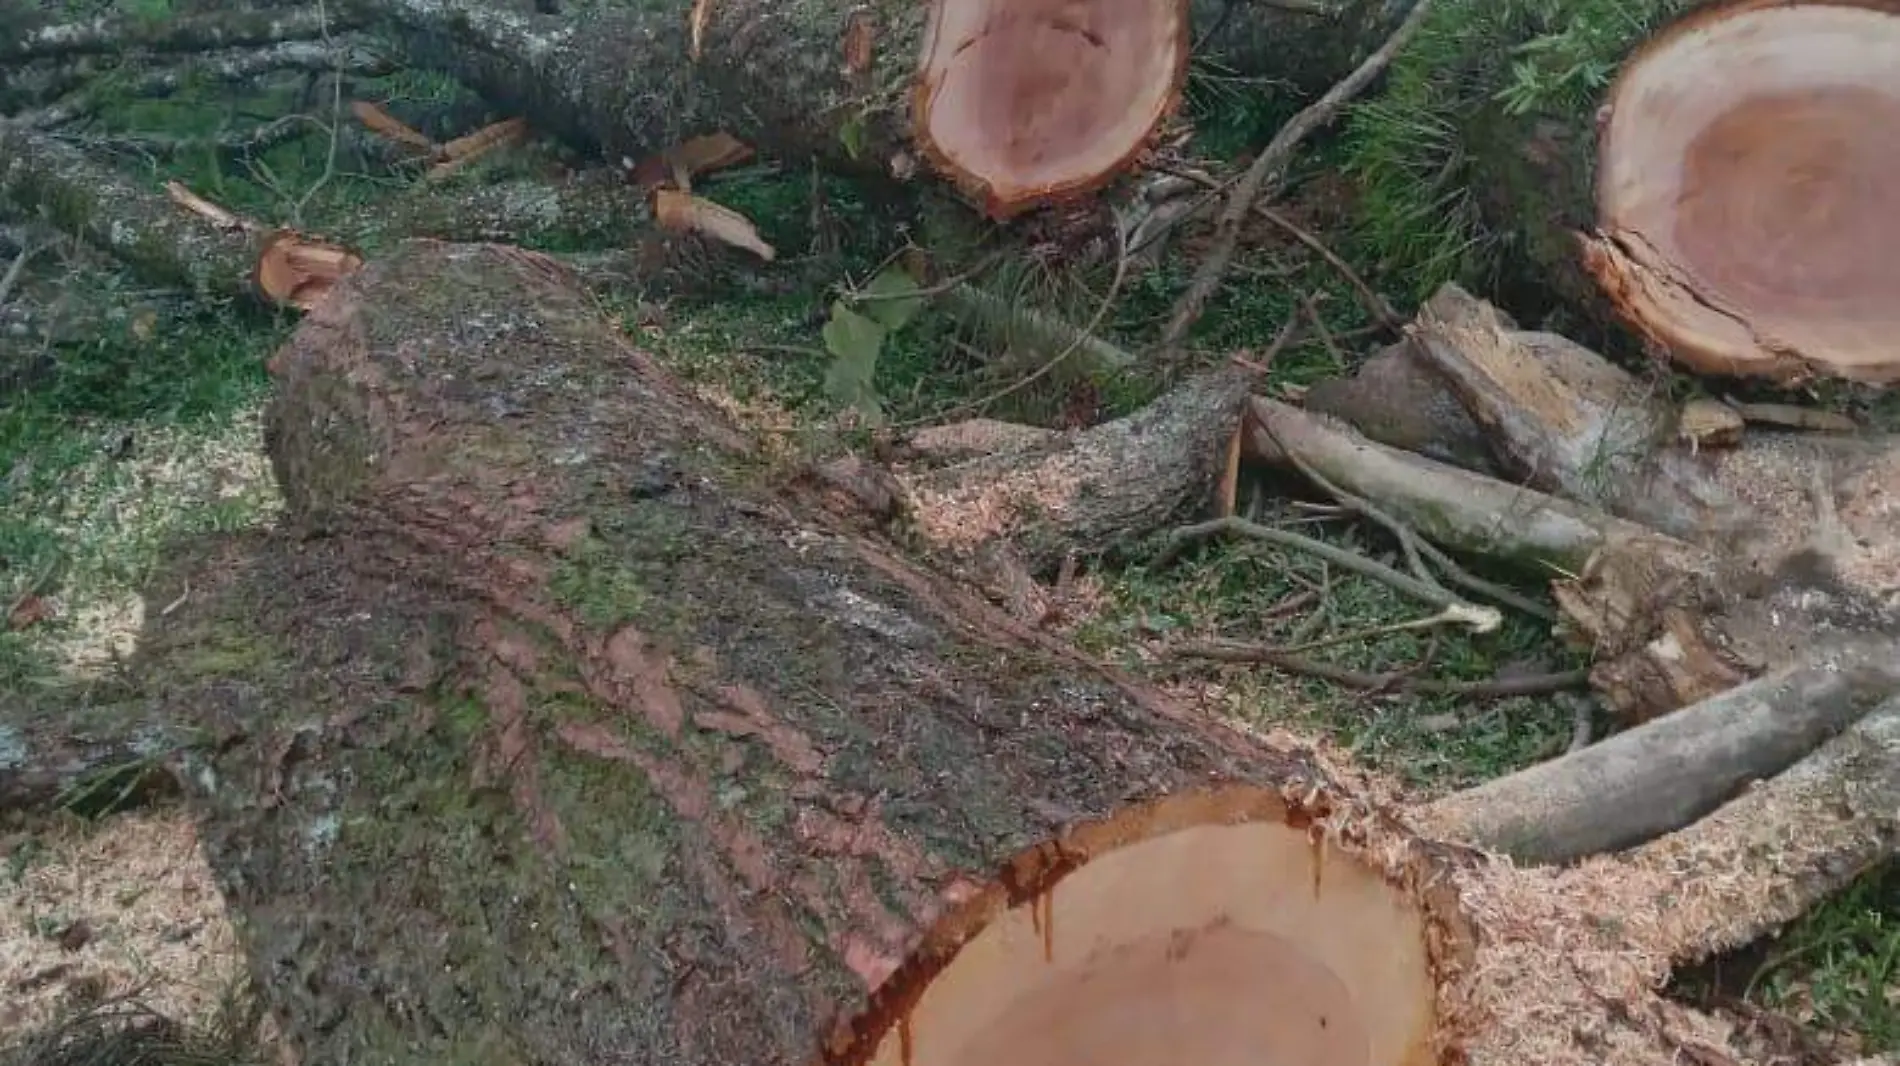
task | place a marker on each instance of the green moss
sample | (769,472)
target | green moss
(1463,102)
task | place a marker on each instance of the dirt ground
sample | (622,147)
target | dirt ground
(122,908)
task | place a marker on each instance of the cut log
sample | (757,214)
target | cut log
(1020,104)
(1087,493)
(1025,102)
(1745,220)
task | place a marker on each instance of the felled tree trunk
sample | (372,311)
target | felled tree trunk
(548,730)
(1735,223)
(1025,103)
(1017,105)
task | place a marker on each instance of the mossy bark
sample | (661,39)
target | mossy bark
(623,80)
(570,736)
(627,81)
(45,177)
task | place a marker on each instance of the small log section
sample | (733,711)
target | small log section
(552,732)
(1021,102)
(1745,221)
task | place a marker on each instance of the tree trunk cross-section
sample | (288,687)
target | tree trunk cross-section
(1746,220)
(1024,101)
(553,733)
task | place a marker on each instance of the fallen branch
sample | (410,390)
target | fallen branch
(145,231)
(1664,774)
(1480,619)
(191,33)
(1457,509)
(1088,492)
(1266,171)
(1392,682)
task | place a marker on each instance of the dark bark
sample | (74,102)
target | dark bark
(24,36)
(167,245)
(622,81)
(85,756)
(555,733)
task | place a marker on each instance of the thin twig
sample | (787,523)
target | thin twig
(1271,162)
(14,270)
(1393,681)
(1581,728)
(1481,619)
(1311,307)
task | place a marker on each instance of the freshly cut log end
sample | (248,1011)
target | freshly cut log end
(298,271)
(1214,928)
(1747,207)
(1022,103)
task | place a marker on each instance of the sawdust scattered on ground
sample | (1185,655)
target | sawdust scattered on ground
(93,912)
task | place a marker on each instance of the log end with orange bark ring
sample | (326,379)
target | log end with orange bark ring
(1025,103)
(295,270)
(1204,927)
(1747,209)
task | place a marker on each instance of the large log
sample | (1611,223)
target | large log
(1011,122)
(551,731)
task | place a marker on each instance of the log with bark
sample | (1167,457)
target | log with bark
(551,726)
(1018,105)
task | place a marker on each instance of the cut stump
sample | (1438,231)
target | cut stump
(1746,207)
(1024,102)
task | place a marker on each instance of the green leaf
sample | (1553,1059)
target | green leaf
(852,135)
(853,341)
(893,298)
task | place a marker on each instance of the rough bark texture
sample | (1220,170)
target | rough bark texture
(791,77)
(1661,776)
(554,734)
(164,243)
(628,82)
(1089,492)
(24,36)
(83,755)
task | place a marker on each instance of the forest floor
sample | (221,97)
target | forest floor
(150,432)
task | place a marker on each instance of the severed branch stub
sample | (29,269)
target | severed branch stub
(1745,220)
(1024,102)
